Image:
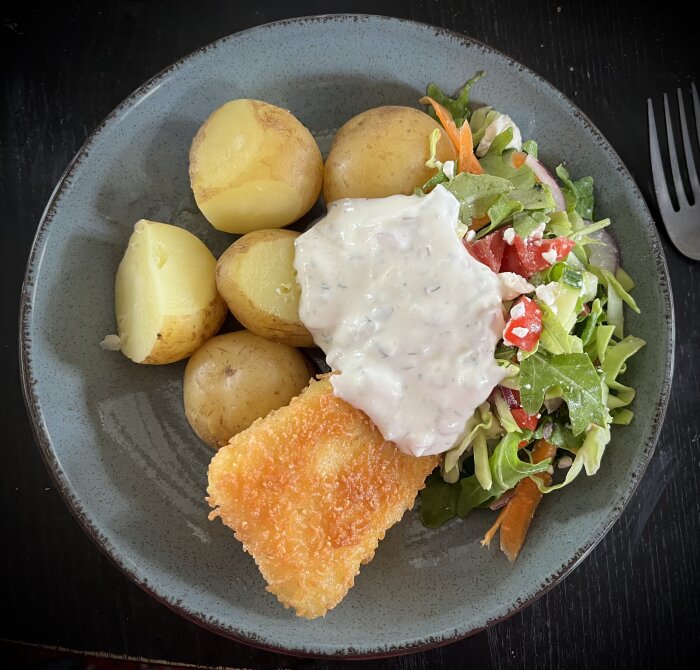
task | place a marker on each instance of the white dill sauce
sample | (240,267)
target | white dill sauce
(406,315)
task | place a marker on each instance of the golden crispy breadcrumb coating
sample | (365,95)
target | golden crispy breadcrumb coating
(310,491)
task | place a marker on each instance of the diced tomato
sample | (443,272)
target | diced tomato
(523,419)
(488,250)
(525,324)
(527,256)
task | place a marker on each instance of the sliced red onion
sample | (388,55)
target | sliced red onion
(546,178)
(605,255)
(503,500)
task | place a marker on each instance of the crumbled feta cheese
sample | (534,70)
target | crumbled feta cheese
(513,285)
(520,332)
(537,233)
(546,293)
(564,462)
(509,235)
(111,343)
(471,235)
(518,310)
(550,256)
(448,167)
(550,469)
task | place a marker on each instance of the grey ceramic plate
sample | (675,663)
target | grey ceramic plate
(114,434)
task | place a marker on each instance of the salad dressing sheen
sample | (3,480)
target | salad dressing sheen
(404,313)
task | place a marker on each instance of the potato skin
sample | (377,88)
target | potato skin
(382,152)
(179,336)
(254,165)
(256,278)
(236,378)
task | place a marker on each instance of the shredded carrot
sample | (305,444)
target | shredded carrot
(445,119)
(467,159)
(479,223)
(461,138)
(514,520)
(494,529)
(518,159)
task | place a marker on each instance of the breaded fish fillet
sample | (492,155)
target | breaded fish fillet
(309,491)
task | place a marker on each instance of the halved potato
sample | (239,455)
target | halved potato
(254,165)
(256,278)
(166,300)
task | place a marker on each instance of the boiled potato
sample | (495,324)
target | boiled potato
(253,166)
(256,278)
(166,300)
(382,152)
(236,378)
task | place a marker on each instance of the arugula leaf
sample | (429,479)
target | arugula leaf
(477,193)
(581,387)
(578,194)
(499,213)
(438,501)
(554,337)
(438,178)
(457,106)
(561,436)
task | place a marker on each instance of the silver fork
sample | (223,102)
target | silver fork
(683,224)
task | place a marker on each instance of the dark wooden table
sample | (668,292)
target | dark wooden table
(633,603)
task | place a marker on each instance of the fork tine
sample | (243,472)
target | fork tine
(675,169)
(696,109)
(657,167)
(688,149)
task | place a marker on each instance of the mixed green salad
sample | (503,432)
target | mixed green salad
(564,346)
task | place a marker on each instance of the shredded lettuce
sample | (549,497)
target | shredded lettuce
(530,147)
(501,141)
(559,224)
(578,194)
(481,424)
(581,233)
(588,456)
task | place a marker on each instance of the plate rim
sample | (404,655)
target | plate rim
(59,478)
